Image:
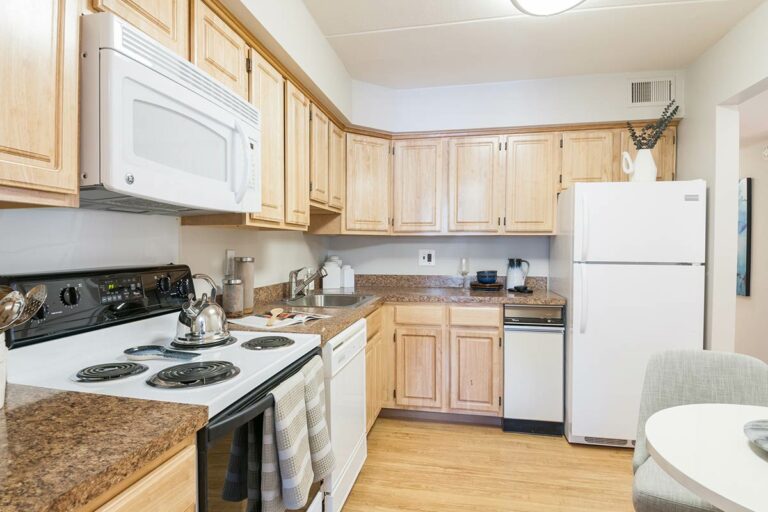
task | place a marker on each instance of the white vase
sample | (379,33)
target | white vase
(642,169)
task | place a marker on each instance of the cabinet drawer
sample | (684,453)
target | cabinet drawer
(373,323)
(419,315)
(172,487)
(475,316)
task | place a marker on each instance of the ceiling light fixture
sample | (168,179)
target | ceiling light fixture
(545,7)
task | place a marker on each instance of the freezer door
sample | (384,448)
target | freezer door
(659,222)
(622,314)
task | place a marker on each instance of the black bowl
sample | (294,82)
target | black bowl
(486,276)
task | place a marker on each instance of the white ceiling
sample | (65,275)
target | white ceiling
(424,43)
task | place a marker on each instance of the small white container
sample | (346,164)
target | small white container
(333,278)
(347,276)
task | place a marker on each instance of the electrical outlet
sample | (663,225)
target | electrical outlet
(426,257)
(765,153)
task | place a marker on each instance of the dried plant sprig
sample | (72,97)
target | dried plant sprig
(650,134)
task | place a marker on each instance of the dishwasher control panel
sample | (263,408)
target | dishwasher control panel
(553,316)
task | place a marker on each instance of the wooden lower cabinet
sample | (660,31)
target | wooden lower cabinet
(372,380)
(419,366)
(475,362)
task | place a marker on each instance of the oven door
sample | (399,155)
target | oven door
(165,142)
(214,442)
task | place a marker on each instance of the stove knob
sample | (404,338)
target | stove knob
(164,284)
(42,313)
(70,296)
(182,288)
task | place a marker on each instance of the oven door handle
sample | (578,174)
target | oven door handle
(227,424)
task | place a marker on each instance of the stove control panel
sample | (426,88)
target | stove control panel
(88,300)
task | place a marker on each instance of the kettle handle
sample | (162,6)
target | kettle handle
(209,280)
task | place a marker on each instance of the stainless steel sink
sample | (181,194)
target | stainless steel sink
(329,301)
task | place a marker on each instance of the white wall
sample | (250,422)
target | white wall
(575,99)
(750,311)
(720,76)
(386,255)
(276,253)
(48,239)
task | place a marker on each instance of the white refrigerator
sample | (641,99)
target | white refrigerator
(630,259)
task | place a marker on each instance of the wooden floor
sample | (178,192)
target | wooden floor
(424,467)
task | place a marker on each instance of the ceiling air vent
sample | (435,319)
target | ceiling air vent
(651,91)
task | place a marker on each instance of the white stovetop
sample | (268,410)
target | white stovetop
(53,364)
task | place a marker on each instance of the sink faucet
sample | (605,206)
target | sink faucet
(297,286)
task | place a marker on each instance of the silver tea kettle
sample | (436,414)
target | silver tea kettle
(202,321)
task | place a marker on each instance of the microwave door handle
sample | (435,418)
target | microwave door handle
(242,164)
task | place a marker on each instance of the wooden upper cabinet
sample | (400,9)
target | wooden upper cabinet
(368,162)
(219,50)
(530,165)
(39,102)
(475,362)
(318,160)
(588,156)
(296,156)
(268,95)
(167,21)
(417,177)
(474,184)
(664,154)
(337,167)
(419,366)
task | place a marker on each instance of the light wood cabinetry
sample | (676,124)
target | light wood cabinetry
(319,160)
(417,177)
(588,156)
(167,21)
(368,163)
(419,366)
(373,380)
(475,363)
(267,94)
(474,182)
(664,155)
(219,50)
(39,102)
(297,135)
(530,166)
(337,167)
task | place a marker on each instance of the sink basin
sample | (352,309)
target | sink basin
(329,301)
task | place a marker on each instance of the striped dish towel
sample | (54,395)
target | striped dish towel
(319,441)
(286,469)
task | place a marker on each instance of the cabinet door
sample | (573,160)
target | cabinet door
(372,378)
(587,156)
(267,94)
(368,162)
(419,367)
(417,176)
(473,180)
(219,50)
(296,156)
(530,182)
(167,21)
(318,165)
(664,154)
(475,363)
(39,101)
(337,167)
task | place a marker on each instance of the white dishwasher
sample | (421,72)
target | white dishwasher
(344,362)
(534,369)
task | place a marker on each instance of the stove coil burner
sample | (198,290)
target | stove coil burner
(110,371)
(267,342)
(192,345)
(191,375)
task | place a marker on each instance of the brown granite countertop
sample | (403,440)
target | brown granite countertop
(539,297)
(60,449)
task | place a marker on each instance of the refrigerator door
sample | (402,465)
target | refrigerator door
(621,315)
(658,222)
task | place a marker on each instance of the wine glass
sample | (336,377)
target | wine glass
(464,270)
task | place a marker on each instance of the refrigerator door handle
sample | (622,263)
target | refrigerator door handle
(584,295)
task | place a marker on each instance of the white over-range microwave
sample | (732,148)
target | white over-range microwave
(158,135)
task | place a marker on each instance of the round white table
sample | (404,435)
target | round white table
(704,448)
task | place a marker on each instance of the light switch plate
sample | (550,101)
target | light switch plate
(426,257)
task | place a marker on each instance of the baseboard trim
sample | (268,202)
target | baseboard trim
(546,428)
(442,417)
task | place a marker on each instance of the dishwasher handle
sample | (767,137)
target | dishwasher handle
(532,328)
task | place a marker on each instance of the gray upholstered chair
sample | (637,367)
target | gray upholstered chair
(683,377)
